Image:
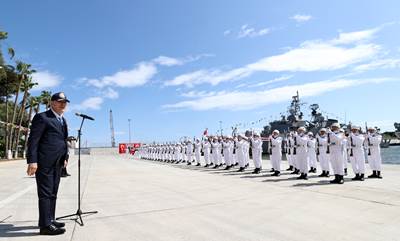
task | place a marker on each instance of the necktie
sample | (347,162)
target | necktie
(60,120)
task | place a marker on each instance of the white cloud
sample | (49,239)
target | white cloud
(138,76)
(227,32)
(300,18)
(92,103)
(379,64)
(246,31)
(309,56)
(46,80)
(279,79)
(110,93)
(244,100)
(316,56)
(168,61)
(357,36)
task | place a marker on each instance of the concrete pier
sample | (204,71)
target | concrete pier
(150,201)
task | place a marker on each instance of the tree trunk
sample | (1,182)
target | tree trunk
(14,114)
(21,117)
(27,132)
(6,126)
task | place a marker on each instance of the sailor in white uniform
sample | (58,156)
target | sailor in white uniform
(335,151)
(197,151)
(373,141)
(206,150)
(256,152)
(355,143)
(323,157)
(302,149)
(312,156)
(276,152)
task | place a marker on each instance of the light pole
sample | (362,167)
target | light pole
(220,127)
(129,124)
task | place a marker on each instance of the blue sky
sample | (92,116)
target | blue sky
(177,67)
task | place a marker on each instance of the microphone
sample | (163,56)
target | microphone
(84,116)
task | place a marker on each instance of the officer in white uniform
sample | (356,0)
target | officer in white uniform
(206,151)
(312,156)
(197,151)
(256,152)
(215,148)
(226,152)
(276,152)
(240,156)
(335,151)
(355,143)
(302,149)
(189,152)
(373,141)
(323,157)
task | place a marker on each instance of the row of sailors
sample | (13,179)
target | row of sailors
(331,147)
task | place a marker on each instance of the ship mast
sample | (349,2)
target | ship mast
(112,130)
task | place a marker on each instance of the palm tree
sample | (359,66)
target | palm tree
(24,71)
(26,86)
(33,105)
(46,98)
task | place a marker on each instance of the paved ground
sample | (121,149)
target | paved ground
(143,200)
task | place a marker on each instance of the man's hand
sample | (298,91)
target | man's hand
(32,167)
(65,163)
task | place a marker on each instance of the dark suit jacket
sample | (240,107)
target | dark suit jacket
(47,141)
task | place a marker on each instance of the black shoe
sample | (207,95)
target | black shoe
(290,168)
(340,180)
(256,171)
(311,170)
(247,165)
(378,174)
(373,175)
(189,163)
(211,164)
(276,174)
(345,171)
(336,180)
(241,169)
(227,168)
(314,170)
(272,170)
(237,163)
(323,174)
(51,230)
(327,174)
(206,165)
(362,178)
(58,224)
(216,166)
(305,176)
(198,164)
(300,177)
(356,178)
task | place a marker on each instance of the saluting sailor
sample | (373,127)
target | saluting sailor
(335,151)
(373,141)
(357,155)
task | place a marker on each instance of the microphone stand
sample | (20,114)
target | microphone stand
(79,213)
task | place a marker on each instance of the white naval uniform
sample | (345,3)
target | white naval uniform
(345,153)
(323,157)
(312,155)
(197,151)
(301,153)
(357,154)
(289,151)
(276,152)
(336,152)
(226,151)
(240,153)
(214,149)
(206,150)
(373,142)
(189,149)
(256,152)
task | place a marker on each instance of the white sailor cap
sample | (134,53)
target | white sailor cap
(372,128)
(355,128)
(310,134)
(341,130)
(302,128)
(276,131)
(322,130)
(256,134)
(335,125)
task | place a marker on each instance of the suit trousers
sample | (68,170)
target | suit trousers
(48,180)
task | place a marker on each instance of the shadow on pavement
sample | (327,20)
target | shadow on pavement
(10,230)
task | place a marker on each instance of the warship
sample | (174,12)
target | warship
(295,118)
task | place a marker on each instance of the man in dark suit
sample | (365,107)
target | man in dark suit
(47,154)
